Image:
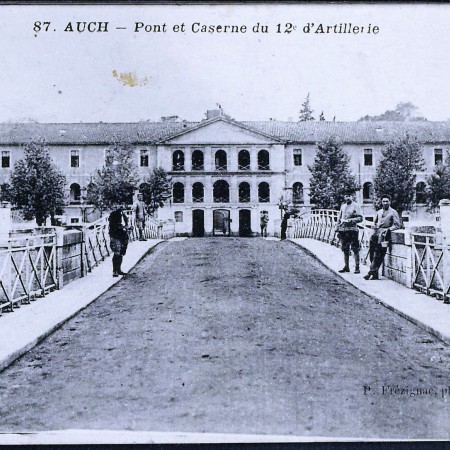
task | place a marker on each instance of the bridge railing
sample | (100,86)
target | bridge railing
(37,261)
(431,265)
(321,224)
(96,237)
(423,263)
(27,269)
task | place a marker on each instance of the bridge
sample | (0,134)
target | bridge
(229,336)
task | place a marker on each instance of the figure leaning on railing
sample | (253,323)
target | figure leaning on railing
(386,221)
(350,215)
(118,235)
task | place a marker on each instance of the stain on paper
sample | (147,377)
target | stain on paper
(129,78)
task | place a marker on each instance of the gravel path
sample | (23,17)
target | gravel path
(231,335)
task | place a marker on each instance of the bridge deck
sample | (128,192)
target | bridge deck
(230,335)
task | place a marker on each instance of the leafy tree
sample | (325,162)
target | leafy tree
(37,185)
(156,189)
(330,175)
(396,172)
(439,184)
(116,181)
(403,112)
(306,111)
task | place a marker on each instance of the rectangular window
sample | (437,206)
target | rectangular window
(298,157)
(6,159)
(144,158)
(368,157)
(438,156)
(74,158)
(178,216)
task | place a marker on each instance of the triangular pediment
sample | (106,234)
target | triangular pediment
(221,132)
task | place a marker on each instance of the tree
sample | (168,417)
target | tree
(156,189)
(306,111)
(396,172)
(439,184)
(37,185)
(330,175)
(403,112)
(116,181)
(321,117)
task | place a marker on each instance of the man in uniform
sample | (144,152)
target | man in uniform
(386,221)
(350,215)
(264,219)
(140,210)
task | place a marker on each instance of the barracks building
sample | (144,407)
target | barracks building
(224,172)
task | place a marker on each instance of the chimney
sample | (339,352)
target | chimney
(213,113)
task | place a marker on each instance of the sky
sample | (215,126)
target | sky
(127,76)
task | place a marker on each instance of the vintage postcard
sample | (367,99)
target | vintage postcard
(224,223)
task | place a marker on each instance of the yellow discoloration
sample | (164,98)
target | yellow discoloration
(129,79)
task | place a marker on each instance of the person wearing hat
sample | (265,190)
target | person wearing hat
(118,237)
(264,219)
(386,221)
(350,215)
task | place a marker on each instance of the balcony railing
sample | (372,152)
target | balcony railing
(221,199)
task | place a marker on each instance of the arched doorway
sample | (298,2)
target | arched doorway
(245,227)
(198,223)
(221,222)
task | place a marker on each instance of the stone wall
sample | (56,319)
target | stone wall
(71,256)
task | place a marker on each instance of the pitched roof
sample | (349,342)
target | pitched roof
(154,132)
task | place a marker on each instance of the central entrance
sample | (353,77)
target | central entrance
(221,222)
(245,227)
(198,223)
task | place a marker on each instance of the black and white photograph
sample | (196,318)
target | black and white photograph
(224,223)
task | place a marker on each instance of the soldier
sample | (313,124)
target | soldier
(386,221)
(140,210)
(118,236)
(349,216)
(264,219)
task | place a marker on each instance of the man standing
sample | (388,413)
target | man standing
(118,237)
(386,221)
(284,225)
(140,210)
(264,219)
(350,215)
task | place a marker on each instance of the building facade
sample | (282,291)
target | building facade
(225,173)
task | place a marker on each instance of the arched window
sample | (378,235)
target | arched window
(244,160)
(264,192)
(263,160)
(221,160)
(178,160)
(221,192)
(367,192)
(178,193)
(244,193)
(198,193)
(197,160)
(75,193)
(421,193)
(297,193)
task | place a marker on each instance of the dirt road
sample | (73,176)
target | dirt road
(231,335)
